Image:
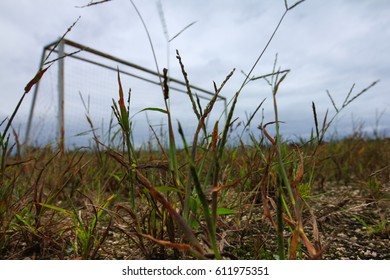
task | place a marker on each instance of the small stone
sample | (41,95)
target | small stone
(340,249)
(342,235)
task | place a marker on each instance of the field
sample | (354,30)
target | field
(318,198)
(79,204)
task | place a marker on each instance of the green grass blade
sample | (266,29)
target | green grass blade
(211,226)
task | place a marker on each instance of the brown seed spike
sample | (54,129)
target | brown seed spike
(121,100)
(166,88)
(35,80)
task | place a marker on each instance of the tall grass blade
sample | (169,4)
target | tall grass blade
(293,6)
(361,92)
(176,217)
(211,224)
(122,115)
(331,99)
(315,120)
(92,3)
(181,31)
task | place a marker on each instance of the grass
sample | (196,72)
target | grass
(204,199)
(72,206)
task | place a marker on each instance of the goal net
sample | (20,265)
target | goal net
(83,85)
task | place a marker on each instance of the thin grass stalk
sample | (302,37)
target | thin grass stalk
(201,124)
(315,121)
(92,3)
(280,229)
(294,196)
(4,146)
(235,98)
(282,169)
(211,226)
(122,115)
(165,89)
(27,88)
(216,168)
(89,120)
(164,86)
(281,203)
(4,136)
(137,228)
(173,166)
(150,41)
(177,218)
(251,118)
(347,101)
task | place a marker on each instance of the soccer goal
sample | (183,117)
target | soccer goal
(84,84)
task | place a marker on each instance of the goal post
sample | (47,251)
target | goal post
(56,114)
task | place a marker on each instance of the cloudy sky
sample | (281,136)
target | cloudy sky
(327,45)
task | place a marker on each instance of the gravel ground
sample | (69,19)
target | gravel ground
(353,226)
(337,209)
(361,223)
